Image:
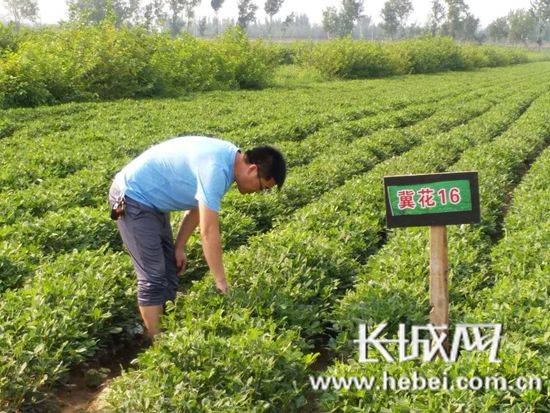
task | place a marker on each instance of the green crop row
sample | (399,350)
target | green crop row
(20,326)
(215,112)
(16,203)
(109,132)
(221,364)
(292,257)
(404,258)
(393,110)
(71,307)
(292,274)
(48,148)
(393,288)
(295,127)
(85,228)
(27,175)
(59,141)
(517,295)
(244,217)
(345,220)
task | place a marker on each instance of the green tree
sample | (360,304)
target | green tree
(247,12)
(394,15)
(470,27)
(154,14)
(189,7)
(148,16)
(351,11)
(341,23)
(288,21)
(457,11)
(437,17)
(522,26)
(174,20)
(21,10)
(216,6)
(331,22)
(498,30)
(203,24)
(540,10)
(271,8)
(363,24)
(96,11)
(460,23)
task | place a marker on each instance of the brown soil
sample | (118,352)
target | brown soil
(324,360)
(87,381)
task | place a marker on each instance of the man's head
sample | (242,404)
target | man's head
(259,169)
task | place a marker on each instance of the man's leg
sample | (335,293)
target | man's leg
(151,313)
(151,318)
(141,231)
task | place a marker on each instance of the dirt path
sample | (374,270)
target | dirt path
(86,382)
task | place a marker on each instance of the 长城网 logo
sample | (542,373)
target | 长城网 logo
(428,341)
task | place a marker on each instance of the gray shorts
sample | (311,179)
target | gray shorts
(147,235)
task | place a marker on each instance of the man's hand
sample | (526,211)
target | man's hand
(181,260)
(188,224)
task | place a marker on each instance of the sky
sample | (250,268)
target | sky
(51,11)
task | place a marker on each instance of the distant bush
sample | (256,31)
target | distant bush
(9,38)
(429,55)
(250,62)
(54,65)
(472,56)
(103,62)
(288,53)
(347,58)
(538,56)
(502,56)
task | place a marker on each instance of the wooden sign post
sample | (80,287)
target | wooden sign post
(439,270)
(434,200)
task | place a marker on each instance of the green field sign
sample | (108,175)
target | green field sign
(434,199)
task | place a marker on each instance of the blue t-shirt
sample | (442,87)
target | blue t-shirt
(178,173)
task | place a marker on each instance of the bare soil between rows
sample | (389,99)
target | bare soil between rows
(86,382)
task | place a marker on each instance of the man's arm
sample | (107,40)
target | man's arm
(211,244)
(188,225)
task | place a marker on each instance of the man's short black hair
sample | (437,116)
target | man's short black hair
(270,161)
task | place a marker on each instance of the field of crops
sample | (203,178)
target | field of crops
(305,264)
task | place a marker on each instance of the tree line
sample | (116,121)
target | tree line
(447,17)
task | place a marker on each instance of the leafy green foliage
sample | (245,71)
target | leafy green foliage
(59,319)
(395,289)
(295,273)
(102,62)
(304,248)
(9,38)
(346,58)
(229,363)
